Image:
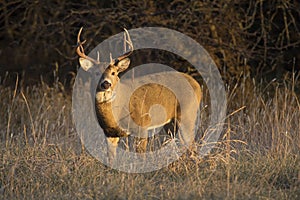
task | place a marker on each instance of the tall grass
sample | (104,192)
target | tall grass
(257,157)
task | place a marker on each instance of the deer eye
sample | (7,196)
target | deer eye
(113,73)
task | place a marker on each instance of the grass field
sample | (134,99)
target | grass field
(257,157)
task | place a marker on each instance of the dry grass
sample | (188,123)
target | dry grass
(42,157)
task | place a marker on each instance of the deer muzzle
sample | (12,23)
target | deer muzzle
(105,85)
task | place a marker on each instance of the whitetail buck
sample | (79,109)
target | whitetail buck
(116,124)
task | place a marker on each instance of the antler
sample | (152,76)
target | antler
(80,49)
(127,40)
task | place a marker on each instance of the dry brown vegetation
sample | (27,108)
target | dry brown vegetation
(258,155)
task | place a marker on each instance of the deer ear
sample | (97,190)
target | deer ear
(123,64)
(85,64)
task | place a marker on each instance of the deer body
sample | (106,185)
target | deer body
(149,106)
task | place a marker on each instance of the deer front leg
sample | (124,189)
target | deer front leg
(141,142)
(112,144)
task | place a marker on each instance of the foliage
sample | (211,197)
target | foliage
(254,36)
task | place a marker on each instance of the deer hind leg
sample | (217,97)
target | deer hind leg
(112,144)
(187,138)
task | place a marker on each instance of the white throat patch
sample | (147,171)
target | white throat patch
(105,97)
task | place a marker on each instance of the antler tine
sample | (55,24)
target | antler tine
(111,59)
(124,43)
(129,42)
(80,49)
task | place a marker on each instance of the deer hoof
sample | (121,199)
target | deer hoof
(125,133)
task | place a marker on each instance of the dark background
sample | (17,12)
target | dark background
(38,38)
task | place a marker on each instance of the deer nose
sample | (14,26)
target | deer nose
(105,85)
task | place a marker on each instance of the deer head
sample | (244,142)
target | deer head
(109,77)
